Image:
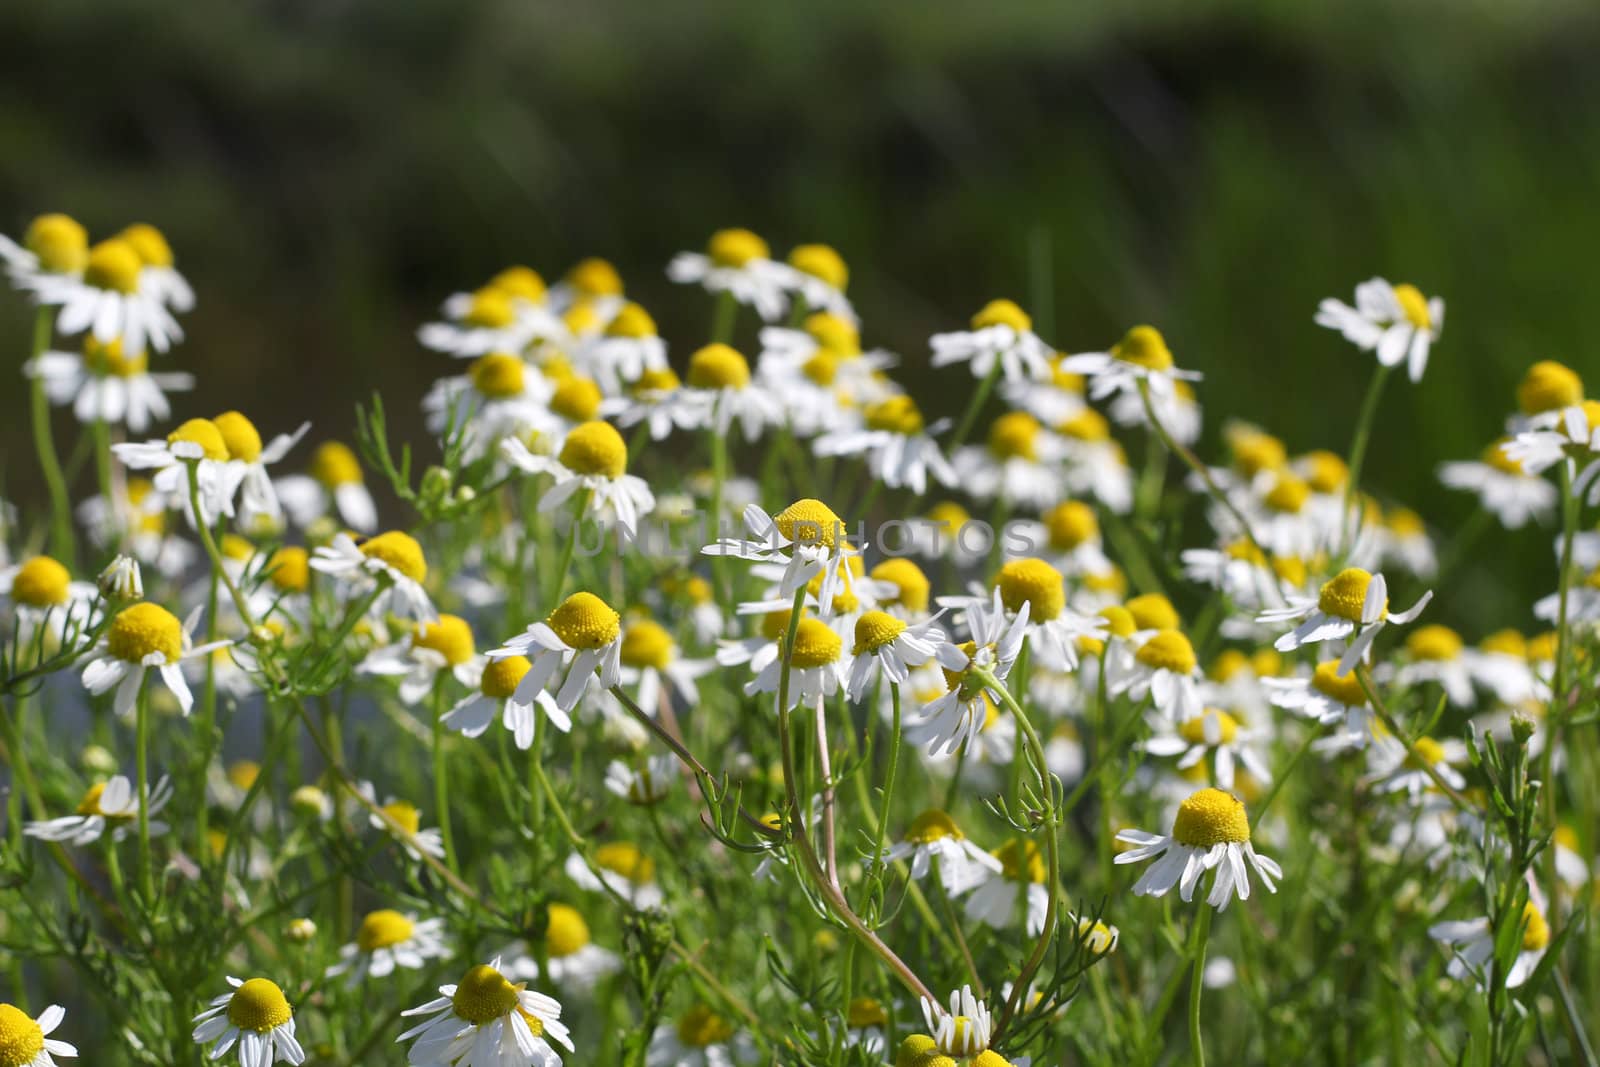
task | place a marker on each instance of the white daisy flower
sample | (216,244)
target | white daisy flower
(625,351)
(1022,876)
(1575,438)
(965,1029)
(957,717)
(575,961)
(333,484)
(491,319)
(1353,606)
(1141,356)
(646,784)
(593,461)
(159,277)
(143,637)
(1214,735)
(105,384)
(257,1018)
(650,657)
(1163,667)
(1210,832)
(867,1024)
(1095,464)
(1472,942)
(1179,413)
(108,300)
(819,275)
(198,441)
(658,399)
(1402,539)
(1035,588)
(393,558)
(593,280)
(718,390)
(1395,321)
(806,537)
(496,692)
(582,636)
(1500,664)
(1001,341)
(107,805)
(486,1021)
(54,245)
(430,650)
(1504,489)
(43,594)
(1396,770)
(933,841)
(739,263)
(896,447)
(1019,465)
(1436,654)
(815,669)
(886,645)
(499,397)
(248,459)
(700,1038)
(387,940)
(1052,400)
(402,820)
(1330,699)
(1546,390)
(24,1036)
(1067,536)
(623,869)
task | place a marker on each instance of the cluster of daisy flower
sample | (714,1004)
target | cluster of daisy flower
(766,787)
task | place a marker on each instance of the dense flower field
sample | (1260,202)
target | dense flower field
(708,705)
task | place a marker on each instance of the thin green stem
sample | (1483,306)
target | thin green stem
(1197,984)
(61,545)
(212,552)
(1556,711)
(970,417)
(142,774)
(888,777)
(441,781)
(1358,449)
(724,316)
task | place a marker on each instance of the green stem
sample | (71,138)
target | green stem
(1358,447)
(441,783)
(1202,926)
(1555,713)
(571,544)
(212,552)
(1283,776)
(142,772)
(205,728)
(888,777)
(723,317)
(49,463)
(975,405)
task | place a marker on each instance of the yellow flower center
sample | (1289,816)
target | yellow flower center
(911,584)
(113,265)
(631,320)
(620,857)
(236,548)
(863,1012)
(240,435)
(585,621)
(451,637)
(647,644)
(1346,689)
(834,334)
(258,1005)
(1288,495)
(1495,456)
(1345,593)
(1535,930)
(595,448)
(700,1027)
(60,242)
(1064,380)
(576,399)
(1541,648)
(809,522)
(498,375)
(334,464)
(874,630)
(821,261)
(383,929)
(815,644)
(1014,435)
(21,1038)
(490,309)
(142,629)
(501,676)
(202,432)
(822,368)
(595,277)
(582,318)
(1167,650)
(1434,642)
(566,932)
(1152,611)
(1326,472)
(914,1051)
(41,583)
(290,569)
(664,380)
(1211,817)
(1194,730)
(1404,522)
(1413,305)
(1548,386)
(1255,451)
(109,360)
(718,366)
(1002,313)
(1119,620)
(1071,524)
(1505,642)
(948,516)
(484,995)
(933,825)
(1035,583)
(90,805)
(735,248)
(400,551)
(1227,665)
(1425,752)
(1145,347)
(242,774)
(404,815)
(524,283)
(150,244)
(897,414)
(1086,425)
(1021,862)
(958,1041)
(1097,935)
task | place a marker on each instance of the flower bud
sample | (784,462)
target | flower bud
(121,580)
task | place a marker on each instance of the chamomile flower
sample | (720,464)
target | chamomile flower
(403,820)
(106,384)
(248,459)
(486,1021)
(1022,876)
(658,399)
(806,537)
(257,1018)
(1210,832)
(1164,667)
(159,276)
(894,443)
(42,593)
(700,1038)
(1019,465)
(1403,540)
(499,397)
(387,940)
(1067,536)
(593,462)
(110,804)
(1575,438)
(108,300)
(958,716)
(429,651)
(1352,606)
(1330,699)
(647,784)
(903,588)
(623,869)
(650,657)
(886,645)
(815,668)
(1547,388)
(933,841)
(26,1041)
(1513,496)
(867,1024)
(1395,769)
(964,1030)
(719,389)
(1001,341)
(1095,464)
(490,319)
(1051,400)
(496,691)
(1179,414)
(392,562)
(1396,322)
(54,245)
(582,636)
(1436,654)
(333,483)
(1472,943)
(197,441)
(1141,358)
(739,263)
(627,349)
(575,961)
(818,275)
(1034,588)
(1215,736)
(143,637)
(1499,663)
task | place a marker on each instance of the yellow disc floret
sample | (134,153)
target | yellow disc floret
(911,584)
(450,636)
(595,448)
(874,629)
(1002,313)
(821,261)
(1434,642)
(576,399)
(1014,435)
(1071,524)
(863,1012)
(1346,688)
(1145,347)
(143,629)
(736,247)
(334,464)
(1035,583)
(1255,451)
(258,1005)
(404,815)
(1506,643)
(522,282)
(1326,472)
(1413,305)
(400,551)
(621,857)
(595,277)
(633,321)
(1086,425)
(498,375)
(701,1027)
(41,583)
(1345,593)
(1194,730)
(490,308)
(383,929)
(150,243)
(500,676)
(1153,611)
(585,621)
(1495,456)
(647,644)
(1535,930)
(1287,495)
(933,825)
(718,366)
(1167,650)
(484,995)
(113,265)
(205,434)
(290,569)
(566,932)
(60,242)
(1548,386)
(21,1038)
(1211,817)
(815,644)
(107,358)
(897,414)
(240,435)
(1021,862)
(834,333)
(913,1049)
(809,522)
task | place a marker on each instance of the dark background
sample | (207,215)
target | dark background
(327,171)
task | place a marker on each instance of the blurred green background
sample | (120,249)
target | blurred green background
(328,170)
